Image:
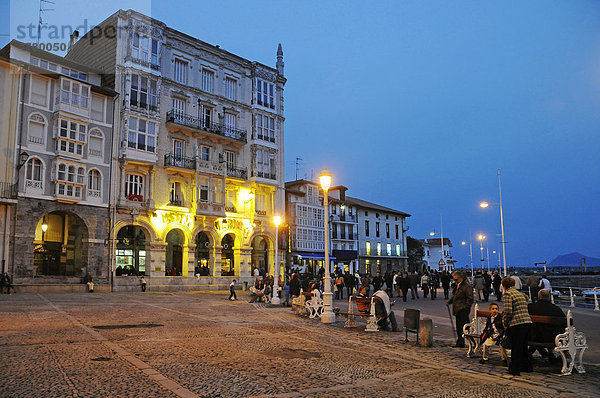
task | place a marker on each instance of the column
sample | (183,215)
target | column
(191,263)
(151,187)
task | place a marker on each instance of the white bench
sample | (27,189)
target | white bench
(574,343)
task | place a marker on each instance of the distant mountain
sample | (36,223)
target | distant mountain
(574,259)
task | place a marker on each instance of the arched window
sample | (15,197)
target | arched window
(33,174)
(94,184)
(96,143)
(36,129)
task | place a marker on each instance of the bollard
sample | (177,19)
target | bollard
(426,332)
(596,300)
(572,300)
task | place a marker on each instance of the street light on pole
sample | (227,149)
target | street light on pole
(481,237)
(275,300)
(470,252)
(486,204)
(327,316)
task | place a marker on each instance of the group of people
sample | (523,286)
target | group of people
(513,324)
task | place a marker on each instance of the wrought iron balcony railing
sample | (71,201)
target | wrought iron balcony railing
(237,173)
(180,161)
(201,124)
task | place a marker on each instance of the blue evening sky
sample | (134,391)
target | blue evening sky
(415,105)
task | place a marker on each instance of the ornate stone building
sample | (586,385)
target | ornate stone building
(60,118)
(198,155)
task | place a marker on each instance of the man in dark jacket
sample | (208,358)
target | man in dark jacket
(462,300)
(349,283)
(545,333)
(414,281)
(377,282)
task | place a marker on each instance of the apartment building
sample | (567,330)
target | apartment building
(57,128)
(198,159)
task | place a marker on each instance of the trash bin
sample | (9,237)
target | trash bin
(245,285)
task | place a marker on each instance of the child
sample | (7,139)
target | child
(493,333)
(232,295)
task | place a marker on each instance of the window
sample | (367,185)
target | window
(208,78)
(175,194)
(342,231)
(39,91)
(230,160)
(180,71)
(178,149)
(265,128)
(230,125)
(134,187)
(97,108)
(377,230)
(75,93)
(260,204)
(389,249)
(206,116)
(231,200)
(397,232)
(366,227)
(264,94)
(71,136)
(205,153)
(96,142)
(387,230)
(398,250)
(230,88)
(142,134)
(144,49)
(368,248)
(203,190)
(33,174)
(178,108)
(36,130)
(217,185)
(94,184)
(69,180)
(378,248)
(143,92)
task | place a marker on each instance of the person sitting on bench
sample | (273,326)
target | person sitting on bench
(545,333)
(492,334)
(383,310)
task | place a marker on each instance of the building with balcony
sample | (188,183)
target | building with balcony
(343,227)
(198,159)
(62,127)
(436,257)
(381,237)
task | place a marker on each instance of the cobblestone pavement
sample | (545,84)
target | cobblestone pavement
(200,344)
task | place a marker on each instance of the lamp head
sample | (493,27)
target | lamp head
(277,220)
(44,226)
(463,243)
(325,179)
(484,204)
(23,156)
(431,233)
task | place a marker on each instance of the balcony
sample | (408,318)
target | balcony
(180,161)
(201,127)
(234,172)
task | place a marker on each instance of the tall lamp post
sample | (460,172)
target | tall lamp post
(327,316)
(481,237)
(470,252)
(275,300)
(486,204)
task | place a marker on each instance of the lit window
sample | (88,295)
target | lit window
(134,187)
(378,249)
(368,247)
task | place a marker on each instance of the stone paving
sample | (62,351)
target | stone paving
(200,344)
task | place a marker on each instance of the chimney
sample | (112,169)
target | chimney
(73,38)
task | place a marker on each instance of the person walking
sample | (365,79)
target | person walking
(487,285)
(425,284)
(339,287)
(461,300)
(232,295)
(496,281)
(517,323)
(446,284)
(479,284)
(545,284)
(404,285)
(414,281)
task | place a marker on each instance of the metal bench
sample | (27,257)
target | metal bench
(308,304)
(572,342)
(365,308)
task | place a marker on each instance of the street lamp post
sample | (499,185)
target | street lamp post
(486,204)
(327,316)
(470,252)
(481,237)
(275,300)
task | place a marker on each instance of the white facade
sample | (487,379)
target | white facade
(433,253)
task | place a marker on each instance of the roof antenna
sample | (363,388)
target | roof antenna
(42,9)
(297,167)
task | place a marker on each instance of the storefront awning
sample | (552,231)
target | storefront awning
(313,256)
(345,254)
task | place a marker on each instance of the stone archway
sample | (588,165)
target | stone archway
(227,255)
(203,251)
(260,255)
(60,245)
(174,254)
(131,251)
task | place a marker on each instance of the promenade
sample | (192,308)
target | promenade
(200,344)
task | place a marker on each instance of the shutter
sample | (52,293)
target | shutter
(39,90)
